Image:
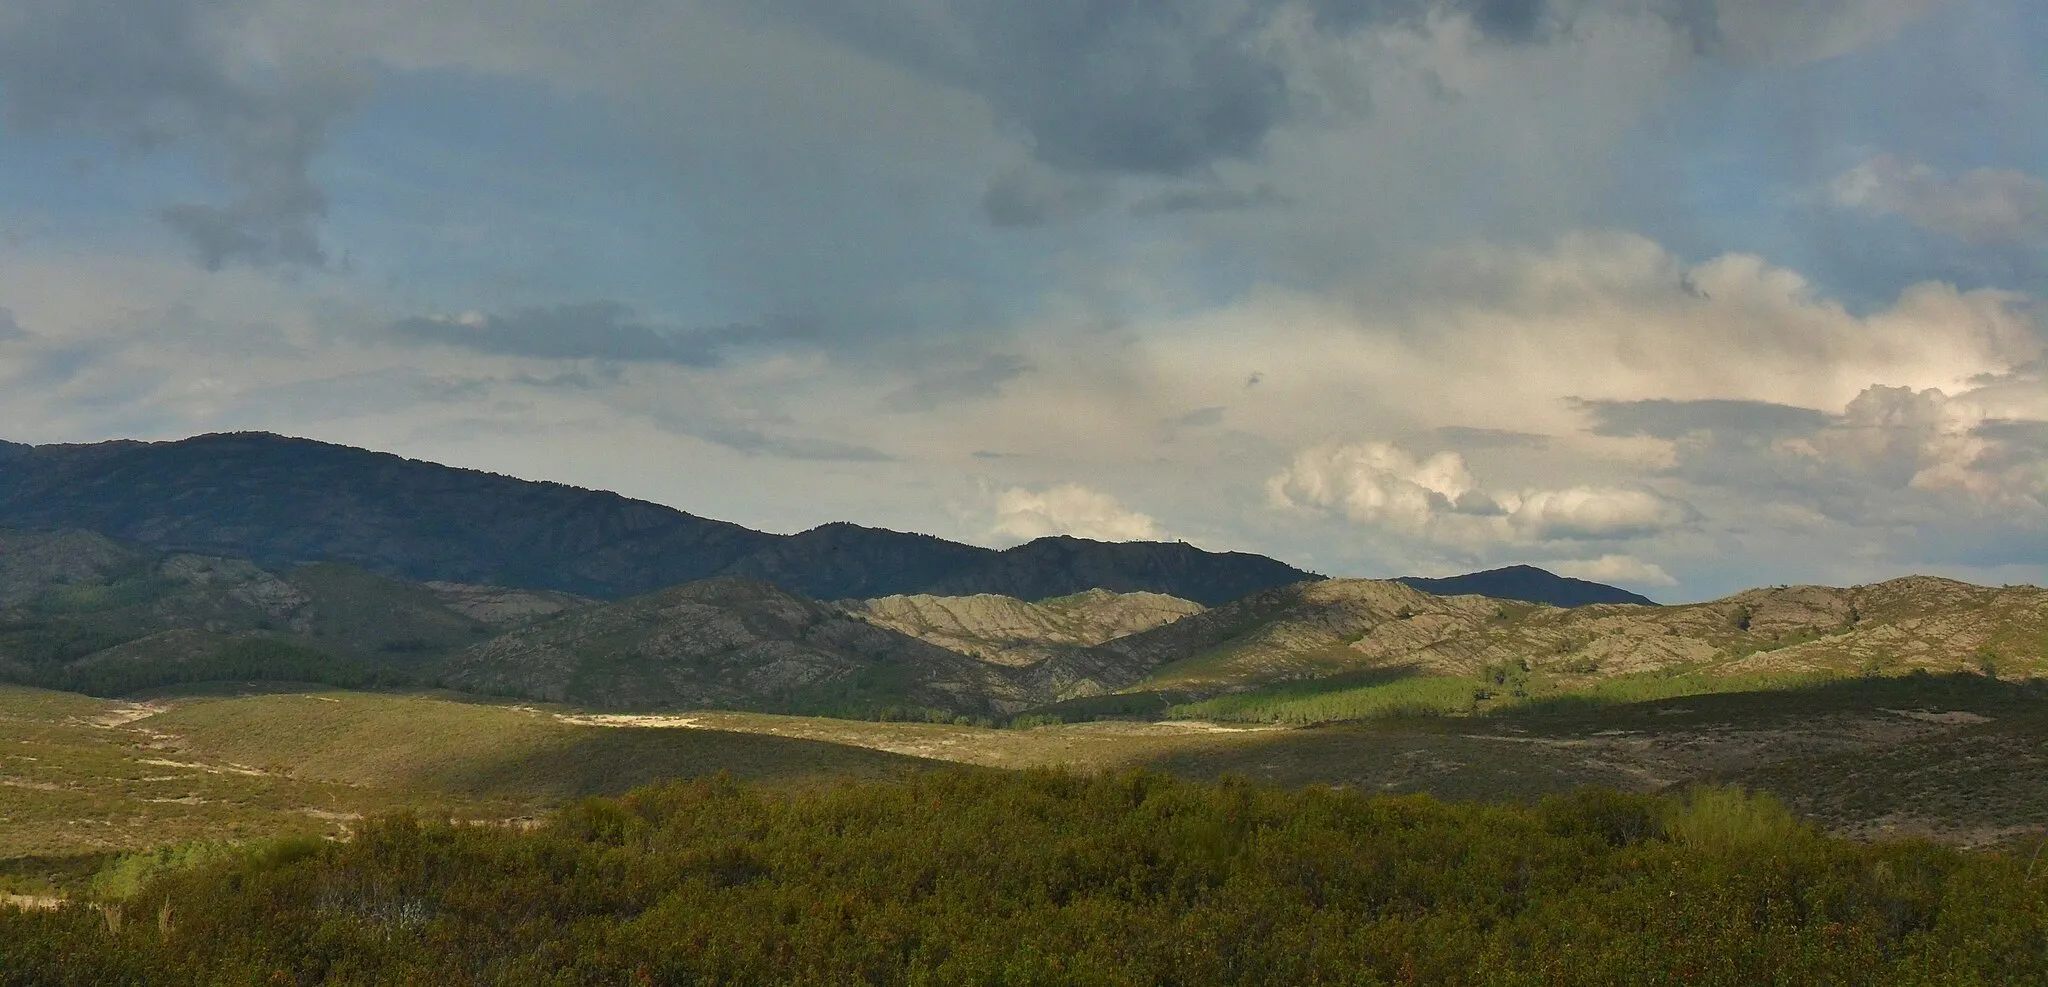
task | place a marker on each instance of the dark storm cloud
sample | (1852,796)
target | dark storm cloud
(1161,87)
(1666,419)
(1142,87)
(165,72)
(602,330)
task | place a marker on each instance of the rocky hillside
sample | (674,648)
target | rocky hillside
(729,643)
(1895,626)
(1307,630)
(283,502)
(1337,626)
(1009,631)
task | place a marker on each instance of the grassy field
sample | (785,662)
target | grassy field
(82,779)
(1961,758)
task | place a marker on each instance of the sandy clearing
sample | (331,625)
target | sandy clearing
(211,769)
(127,713)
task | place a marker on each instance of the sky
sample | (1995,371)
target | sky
(1681,295)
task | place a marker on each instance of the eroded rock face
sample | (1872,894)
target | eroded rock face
(1012,632)
(243,581)
(499,606)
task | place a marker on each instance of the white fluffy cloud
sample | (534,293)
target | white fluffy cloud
(1437,499)
(1984,205)
(1622,569)
(1069,509)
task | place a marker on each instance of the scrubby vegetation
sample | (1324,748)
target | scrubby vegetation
(1041,877)
(1504,689)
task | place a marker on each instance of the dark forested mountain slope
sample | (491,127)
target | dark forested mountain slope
(1528,583)
(1060,566)
(281,501)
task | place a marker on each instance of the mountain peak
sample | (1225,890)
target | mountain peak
(1529,583)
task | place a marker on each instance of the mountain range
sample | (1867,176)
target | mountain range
(281,502)
(132,565)
(83,612)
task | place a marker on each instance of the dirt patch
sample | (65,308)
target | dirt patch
(125,714)
(212,769)
(1953,718)
(631,720)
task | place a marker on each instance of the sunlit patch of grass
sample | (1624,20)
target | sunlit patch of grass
(1359,696)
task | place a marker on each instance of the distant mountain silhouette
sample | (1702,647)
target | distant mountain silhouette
(281,501)
(9,450)
(1526,582)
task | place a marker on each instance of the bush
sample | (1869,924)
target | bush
(975,877)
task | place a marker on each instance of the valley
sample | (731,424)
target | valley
(162,697)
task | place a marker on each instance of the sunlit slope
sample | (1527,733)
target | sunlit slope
(80,775)
(1341,626)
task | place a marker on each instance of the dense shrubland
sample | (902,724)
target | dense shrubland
(987,878)
(1508,690)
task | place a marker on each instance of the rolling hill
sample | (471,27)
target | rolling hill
(1338,626)
(730,643)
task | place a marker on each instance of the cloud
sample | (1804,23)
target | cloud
(1179,87)
(1464,437)
(1069,509)
(980,380)
(1763,31)
(1034,196)
(1987,206)
(1594,513)
(753,441)
(1666,419)
(1379,484)
(1207,200)
(1893,456)
(1623,569)
(602,330)
(181,72)
(9,328)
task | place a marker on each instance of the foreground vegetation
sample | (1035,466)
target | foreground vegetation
(1045,877)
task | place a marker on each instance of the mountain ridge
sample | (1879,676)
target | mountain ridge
(1529,584)
(281,501)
